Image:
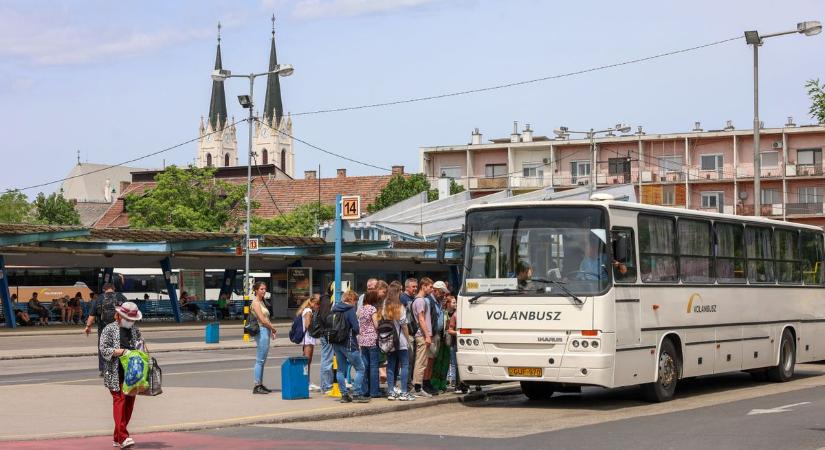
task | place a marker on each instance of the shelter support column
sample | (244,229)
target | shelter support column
(171,288)
(8,308)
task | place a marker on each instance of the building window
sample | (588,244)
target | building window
(771,197)
(809,157)
(618,166)
(579,170)
(208,160)
(669,195)
(451,172)
(671,163)
(711,162)
(226,160)
(770,159)
(264,157)
(283,159)
(713,200)
(532,169)
(810,194)
(495,170)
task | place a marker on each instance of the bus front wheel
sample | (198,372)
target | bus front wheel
(537,390)
(787,359)
(664,387)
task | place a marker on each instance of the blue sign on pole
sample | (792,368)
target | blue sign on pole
(338,238)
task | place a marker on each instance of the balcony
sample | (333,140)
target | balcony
(529,182)
(765,210)
(804,208)
(488,183)
(803,170)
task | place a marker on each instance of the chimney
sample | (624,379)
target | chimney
(476,139)
(342,173)
(527,134)
(398,170)
(790,122)
(729,125)
(515,136)
(697,126)
(640,131)
(310,175)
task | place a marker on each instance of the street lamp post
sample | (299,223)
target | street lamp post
(564,132)
(246,102)
(755,39)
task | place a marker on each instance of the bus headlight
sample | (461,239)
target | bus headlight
(461,342)
(594,344)
(575,344)
(585,344)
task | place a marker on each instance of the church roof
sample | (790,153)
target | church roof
(86,182)
(273,105)
(217,105)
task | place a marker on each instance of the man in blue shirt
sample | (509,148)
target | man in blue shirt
(410,289)
(594,265)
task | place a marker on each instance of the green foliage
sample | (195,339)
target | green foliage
(55,210)
(400,188)
(302,221)
(188,200)
(455,188)
(816,92)
(14,207)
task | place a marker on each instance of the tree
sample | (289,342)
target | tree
(301,221)
(455,188)
(402,187)
(14,207)
(188,200)
(55,210)
(816,92)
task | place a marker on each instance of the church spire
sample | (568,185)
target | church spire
(217,106)
(273,106)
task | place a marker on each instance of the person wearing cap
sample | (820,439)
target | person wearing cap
(116,339)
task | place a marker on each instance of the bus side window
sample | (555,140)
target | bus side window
(624,255)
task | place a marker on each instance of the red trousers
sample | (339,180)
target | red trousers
(122,406)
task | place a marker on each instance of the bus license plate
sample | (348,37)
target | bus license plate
(532,372)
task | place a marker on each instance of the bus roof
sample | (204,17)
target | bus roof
(614,204)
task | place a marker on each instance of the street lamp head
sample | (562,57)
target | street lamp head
(284,70)
(245,101)
(623,128)
(809,28)
(752,38)
(221,74)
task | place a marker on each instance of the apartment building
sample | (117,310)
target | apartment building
(709,170)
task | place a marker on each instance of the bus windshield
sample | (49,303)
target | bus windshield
(548,250)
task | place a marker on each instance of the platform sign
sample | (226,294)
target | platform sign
(350,207)
(253,245)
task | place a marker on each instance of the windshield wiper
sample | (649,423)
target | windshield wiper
(560,285)
(506,291)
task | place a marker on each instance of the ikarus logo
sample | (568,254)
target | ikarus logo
(696,304)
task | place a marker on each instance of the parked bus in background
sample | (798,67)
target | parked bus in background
(566,294)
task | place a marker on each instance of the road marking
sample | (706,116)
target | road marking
(778,409)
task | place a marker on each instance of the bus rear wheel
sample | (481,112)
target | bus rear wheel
(783,371)
(670,367)
(537,390)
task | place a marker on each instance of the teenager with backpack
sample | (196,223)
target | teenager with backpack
(103,311)
(423,337)
(300,333)
(342,332)
(368,341)
(395,342)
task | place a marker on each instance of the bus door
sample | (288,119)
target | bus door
(627,293)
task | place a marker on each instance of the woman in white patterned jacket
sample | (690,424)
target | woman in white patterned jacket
(116,339)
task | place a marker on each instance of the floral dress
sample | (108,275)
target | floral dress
(109,342)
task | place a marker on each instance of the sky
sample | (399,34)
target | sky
(118,80)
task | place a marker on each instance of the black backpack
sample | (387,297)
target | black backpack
(339,330)
(106,307)
(387,335)
(412,322)
(316,325)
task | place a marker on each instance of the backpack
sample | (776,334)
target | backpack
(106,308)
(296,333)
(339,331)
(387,335)
(412,322)
(436,318)
(316,325)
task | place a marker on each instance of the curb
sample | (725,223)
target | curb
(169,350)
(344,413)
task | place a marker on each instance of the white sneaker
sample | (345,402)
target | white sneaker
(314,387)
(127,443)
(115,444)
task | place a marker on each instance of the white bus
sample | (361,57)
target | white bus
(558,295)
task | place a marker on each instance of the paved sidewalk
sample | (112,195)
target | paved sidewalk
(63,409)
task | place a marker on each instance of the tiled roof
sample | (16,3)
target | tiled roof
(26,228)
(287,194)
(91,212)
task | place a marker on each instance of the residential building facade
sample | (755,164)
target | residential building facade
(705,170)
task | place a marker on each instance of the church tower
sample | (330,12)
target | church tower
(272,140)
(218,143)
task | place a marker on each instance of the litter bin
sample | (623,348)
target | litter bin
(295,378)
(213,332)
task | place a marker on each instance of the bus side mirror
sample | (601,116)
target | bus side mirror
(620,248)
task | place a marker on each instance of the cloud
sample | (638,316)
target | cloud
(313,9)
(47,43)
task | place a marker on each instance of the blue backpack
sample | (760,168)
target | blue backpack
(296,333)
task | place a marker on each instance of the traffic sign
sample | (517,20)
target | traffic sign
(253,245)
(351,207)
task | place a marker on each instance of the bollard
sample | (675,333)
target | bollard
(295,378)
(213,333)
